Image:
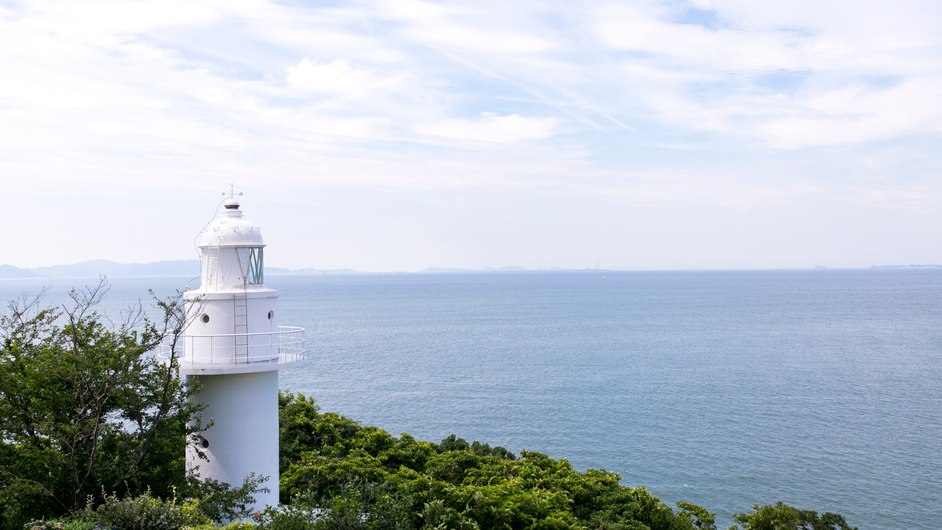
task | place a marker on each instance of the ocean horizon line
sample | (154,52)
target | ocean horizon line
(190,268)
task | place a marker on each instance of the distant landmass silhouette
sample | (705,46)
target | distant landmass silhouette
(9,271)
(101,267)
(191,267)
(508,268)
(440,270)
(906,267)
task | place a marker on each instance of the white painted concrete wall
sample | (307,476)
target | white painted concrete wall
(220,309)
(244,438)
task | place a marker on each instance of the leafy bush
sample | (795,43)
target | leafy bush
(239,525)
(701,519)
(218,502)
(143,512)
(69,523)
(453,443)
(291,517)
(43,525)
(365,505)
(784,517)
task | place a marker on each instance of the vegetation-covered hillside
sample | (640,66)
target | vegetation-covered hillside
(362,477)
(453,484)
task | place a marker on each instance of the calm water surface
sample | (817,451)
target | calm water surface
(822,389)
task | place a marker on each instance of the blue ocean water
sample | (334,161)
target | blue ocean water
(821,389)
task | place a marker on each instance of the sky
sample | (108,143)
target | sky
(397,135)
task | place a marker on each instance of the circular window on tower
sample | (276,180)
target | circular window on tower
(203,443)
(205,318)
(271,315)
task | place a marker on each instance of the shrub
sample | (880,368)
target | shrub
(143,512)
(239,525)
(220,503)
(60,524)
(781,516)
(292,517)
(363,505)
(43,525)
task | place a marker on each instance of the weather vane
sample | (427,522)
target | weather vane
(232,192)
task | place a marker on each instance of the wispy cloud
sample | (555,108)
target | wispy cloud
(492,128)
(722,102)
(335,77)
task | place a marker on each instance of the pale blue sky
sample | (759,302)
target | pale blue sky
(387,136)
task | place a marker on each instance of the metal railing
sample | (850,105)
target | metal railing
(277,347)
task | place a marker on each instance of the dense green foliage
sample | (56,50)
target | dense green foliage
(143,512)
(784,517)
(84,409)
(342,465)
(361,477)
(218,501)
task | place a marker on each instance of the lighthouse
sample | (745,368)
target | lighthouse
(234,345)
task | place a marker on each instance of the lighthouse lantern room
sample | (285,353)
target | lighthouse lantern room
(234,345)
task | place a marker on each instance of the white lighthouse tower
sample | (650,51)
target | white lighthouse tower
(234,345)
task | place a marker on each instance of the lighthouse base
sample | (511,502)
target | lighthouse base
(244,436)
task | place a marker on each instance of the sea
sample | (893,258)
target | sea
(818,388)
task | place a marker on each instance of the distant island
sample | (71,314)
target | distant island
(100,267)
(906,267)
(191,267)
(509,268)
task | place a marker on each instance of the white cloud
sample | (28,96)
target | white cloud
(334,77)
(479,39)
(724,50)
(709,79)
(464,28)
(858,114)
(491,128)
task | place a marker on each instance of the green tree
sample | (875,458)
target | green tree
(781,516)
(86,408)
(702,519)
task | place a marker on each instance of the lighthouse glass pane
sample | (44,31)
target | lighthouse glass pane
(209,262)
(256,267)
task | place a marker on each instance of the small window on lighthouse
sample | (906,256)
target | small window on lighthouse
(204,443)
(205,318)
(256,267)
(271,314)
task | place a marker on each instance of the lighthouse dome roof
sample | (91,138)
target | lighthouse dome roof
(231,229)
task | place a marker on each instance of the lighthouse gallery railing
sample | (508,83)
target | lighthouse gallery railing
(236,348)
